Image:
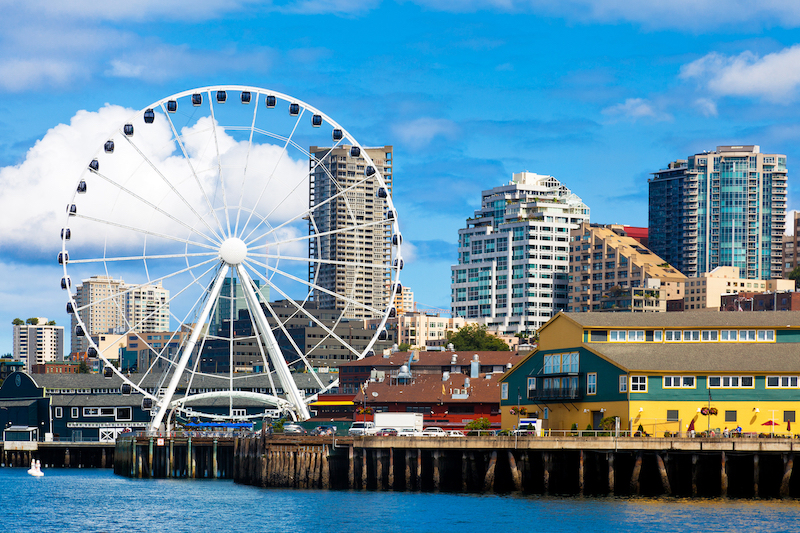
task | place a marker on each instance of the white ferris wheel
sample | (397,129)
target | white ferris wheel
(211,207)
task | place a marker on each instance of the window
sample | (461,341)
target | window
(730,416)
(58,412)
(591,383)
(124,413)
(504,391)
(747,335)
(616,335)
(728,335)
(675,382)
(658,336)
(638,383)
(598,335)
(636,336)
(239,412)
(766,335)
(106,411)
(531,384)
(710,335)
(546,413)
(730,382)
(788,416)
(91,411)
(673,335)
(672,415)
(782,382)
(691,336)
(73,413)
(623,383)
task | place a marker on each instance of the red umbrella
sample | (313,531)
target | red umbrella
(691,425)
(788,425)
(770,423)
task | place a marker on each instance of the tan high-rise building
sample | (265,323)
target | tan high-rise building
(610,271)
(110,306)
(347,214)
(36,344)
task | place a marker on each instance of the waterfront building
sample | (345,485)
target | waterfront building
(513,256)
(706,291)
(791,246)
(371,244)
(419,330)
(760,301)
(36,344)
(721,208)
(611,271)
(659,371)
(110,307)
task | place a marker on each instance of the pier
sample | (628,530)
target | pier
(731,467)
(63,454)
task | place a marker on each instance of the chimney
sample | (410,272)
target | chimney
(475,367)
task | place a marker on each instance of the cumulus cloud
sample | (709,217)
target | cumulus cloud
(773,77)
(635,109)
(421,132)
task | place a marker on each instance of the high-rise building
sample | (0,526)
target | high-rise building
(366,243)
(513,256)
(110,306)
(722,208)
(791,246)
(404,301)
(36,344)
(231,301)
(612,271)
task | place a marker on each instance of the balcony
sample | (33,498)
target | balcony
(560,394)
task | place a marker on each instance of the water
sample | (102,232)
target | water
(97,500)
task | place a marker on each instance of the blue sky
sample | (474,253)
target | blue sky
(598,93)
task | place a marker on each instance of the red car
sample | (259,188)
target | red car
(386,432)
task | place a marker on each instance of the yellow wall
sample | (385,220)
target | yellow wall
(562,334)
(562,417)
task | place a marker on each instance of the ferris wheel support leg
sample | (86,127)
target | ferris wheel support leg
(275,353)
(189,348)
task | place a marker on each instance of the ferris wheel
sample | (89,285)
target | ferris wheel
(210,233)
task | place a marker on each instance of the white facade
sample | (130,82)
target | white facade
(404,301)
(109,306)
(38,344)
(513,256)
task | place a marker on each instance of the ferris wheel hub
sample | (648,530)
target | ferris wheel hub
(233,251)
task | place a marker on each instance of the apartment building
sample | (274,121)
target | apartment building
(37,344)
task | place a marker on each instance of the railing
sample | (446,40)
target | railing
(564,393)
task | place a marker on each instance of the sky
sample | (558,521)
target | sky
(598,93)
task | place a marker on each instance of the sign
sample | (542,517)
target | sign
(160,441)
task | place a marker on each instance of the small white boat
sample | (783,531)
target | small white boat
(36,468)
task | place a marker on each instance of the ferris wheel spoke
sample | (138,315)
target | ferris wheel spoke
(140,257)
(155,208)
(331,232)
(274,169)
(316,287)
(300,355)
(326,261)
(147,232)
(221,177)
(305,312)
(308,211)
(246,164)
(264,356)
(188,159)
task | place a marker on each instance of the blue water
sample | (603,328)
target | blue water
(97,500)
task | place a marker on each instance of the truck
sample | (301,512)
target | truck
(398,421)
(360,429)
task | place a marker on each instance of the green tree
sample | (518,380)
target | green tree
(795,275)
(17,322)
(51,323)
(475,337)
(478,424)
(404,347)
(83,368)
(32,321)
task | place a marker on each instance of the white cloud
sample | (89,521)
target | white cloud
(420,132)
(20,74)
(706,106)
(691,15)
(774,77)
(634,109)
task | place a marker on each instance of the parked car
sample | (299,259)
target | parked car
(294,429)
(434,432)
(358,429)
(409,432)
(455,433)
(387,432)
(324,431)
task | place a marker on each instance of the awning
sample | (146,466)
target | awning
(318,404)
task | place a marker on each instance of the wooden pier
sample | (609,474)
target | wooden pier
(177,455)
(730,467)
(64,454)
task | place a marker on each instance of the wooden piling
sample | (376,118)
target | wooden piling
(611,475)
(637,469)
(363,469)
(419,469)
(409,486)
(351,468)
(546,464)
(488,480)
(662,469)
(723,475)
(326,471)
(788,464)
(378,454)
(580,472)
(755,475)
(464,471)
(215,464)
(515,473)
(390,481)
(694,474)
(436,477)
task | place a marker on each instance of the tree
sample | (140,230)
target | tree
(478,425)
(51,323)
(795,275)
(17,322)
(32,321)
(475,337)
(404,347)
(83,368)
